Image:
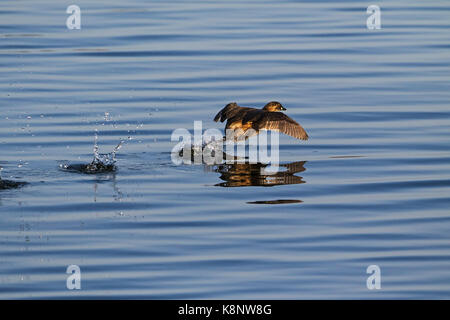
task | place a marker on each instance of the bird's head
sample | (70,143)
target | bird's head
(274,106)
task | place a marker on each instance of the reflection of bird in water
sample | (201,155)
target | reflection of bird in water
(252,174)
(247,122)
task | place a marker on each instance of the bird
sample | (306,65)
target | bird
(246,122)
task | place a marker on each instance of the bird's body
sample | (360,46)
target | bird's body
(246,122)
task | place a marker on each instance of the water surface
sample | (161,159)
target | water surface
(371,186)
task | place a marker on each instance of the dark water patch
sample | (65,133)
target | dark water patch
(90,168)
(279,201)
(9,184)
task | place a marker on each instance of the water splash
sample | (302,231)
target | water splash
(102,162)
(106,158)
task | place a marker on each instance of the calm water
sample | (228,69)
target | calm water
(371,186)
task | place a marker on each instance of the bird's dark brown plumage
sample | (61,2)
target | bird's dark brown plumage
(268,118)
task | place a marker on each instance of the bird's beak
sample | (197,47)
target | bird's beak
(283,108)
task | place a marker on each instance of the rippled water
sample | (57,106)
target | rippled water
(371,186)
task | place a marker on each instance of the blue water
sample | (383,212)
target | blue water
(371,186)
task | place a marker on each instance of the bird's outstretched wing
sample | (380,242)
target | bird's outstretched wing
(229,111)
(280,122)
